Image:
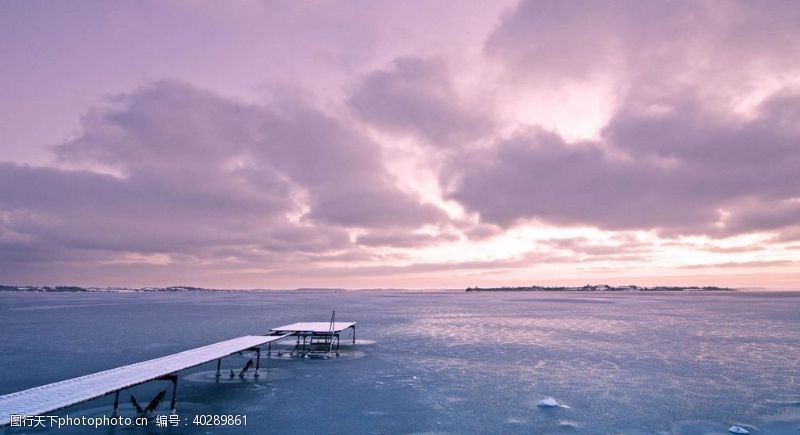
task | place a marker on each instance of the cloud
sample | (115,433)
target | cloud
(581,246)
(185,171)
(677,118)
(536,175)
(679,170)
(678,154)
(418,96)
(743,264)
(525,261)
(190,139)
(648,46)
(405,239)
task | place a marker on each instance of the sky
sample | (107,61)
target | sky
(388,144)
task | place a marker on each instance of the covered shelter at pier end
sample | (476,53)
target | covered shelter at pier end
(316,337)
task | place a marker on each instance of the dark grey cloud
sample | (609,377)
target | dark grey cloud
(418,96)
(536,175)
(94,211)
(677,170)
(582,246)
(652,46)
(403,239)
(675,155)
(765,216)
(180,136)
(201,175)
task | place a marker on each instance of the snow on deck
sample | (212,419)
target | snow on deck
(51,397)
(314,327)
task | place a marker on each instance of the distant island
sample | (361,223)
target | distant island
(173,289)
(75,289)
(600,288)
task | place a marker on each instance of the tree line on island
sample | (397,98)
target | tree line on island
(597,288)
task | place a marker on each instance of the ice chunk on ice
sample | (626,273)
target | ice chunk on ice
(548,402)
(738,429)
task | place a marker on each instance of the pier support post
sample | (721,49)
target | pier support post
(354,334)
(258,361)
(219,362)
(174,379)
(115,412)
(269,350)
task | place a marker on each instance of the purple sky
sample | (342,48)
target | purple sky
(400,144)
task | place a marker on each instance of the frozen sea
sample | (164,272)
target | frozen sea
(435,362)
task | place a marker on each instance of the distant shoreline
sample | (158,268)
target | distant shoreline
(78,289)
(190,289)
(601,288)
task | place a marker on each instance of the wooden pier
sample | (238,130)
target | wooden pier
(48,398)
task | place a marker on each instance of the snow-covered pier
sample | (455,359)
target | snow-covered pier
(48,398)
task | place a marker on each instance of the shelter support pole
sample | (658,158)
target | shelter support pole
(258,360)
(219,362)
